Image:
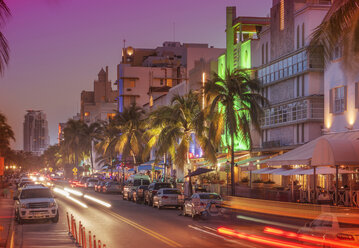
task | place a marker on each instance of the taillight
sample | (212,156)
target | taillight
(164,197)
(343,236)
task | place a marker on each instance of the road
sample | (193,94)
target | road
(127,224)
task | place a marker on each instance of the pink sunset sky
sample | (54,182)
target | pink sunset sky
(59,46)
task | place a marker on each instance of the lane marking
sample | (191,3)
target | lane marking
(268,222)
(144,229)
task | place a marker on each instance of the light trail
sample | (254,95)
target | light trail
(62,192)
(75,192)
(67,195)
(108,205)
(268,222)
(261,240)
(77,201)
(307,238)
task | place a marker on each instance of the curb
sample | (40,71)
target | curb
(10,237)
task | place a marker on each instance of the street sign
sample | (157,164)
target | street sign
(50,169)
(75,173)
(74,169)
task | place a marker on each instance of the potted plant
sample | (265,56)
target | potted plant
(258,183)
(268,184)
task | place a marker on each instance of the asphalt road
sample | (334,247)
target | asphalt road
(127,224)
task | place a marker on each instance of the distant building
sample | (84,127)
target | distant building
(36,133)
(61,132)
(145,76)
(99,104)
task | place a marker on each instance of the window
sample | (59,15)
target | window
(267,52)
(338,99)
(298,37)
(110,115)
(337,52)
(281,17)
(303,35)
(87,114)
(262,53)
(132,100)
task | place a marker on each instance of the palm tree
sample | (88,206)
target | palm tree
(94,133)
(174,127)
(235,100)
(4,48)
(131,126)
(6,135)
(76,140)
(340,25)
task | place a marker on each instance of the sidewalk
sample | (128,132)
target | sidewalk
(6,217)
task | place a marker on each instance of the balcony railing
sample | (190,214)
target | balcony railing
(299,111)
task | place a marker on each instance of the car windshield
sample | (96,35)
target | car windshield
(35,193)
(92,180)
(163,185)
(137,182)
(210,196)
(347,222)
(171,191)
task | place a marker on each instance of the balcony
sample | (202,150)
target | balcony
(291,65)
(304,110)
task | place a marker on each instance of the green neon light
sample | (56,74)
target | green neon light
(246,55)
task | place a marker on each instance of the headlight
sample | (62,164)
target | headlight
(23,205)
(52,204)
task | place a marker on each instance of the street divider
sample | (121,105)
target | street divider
(78,235)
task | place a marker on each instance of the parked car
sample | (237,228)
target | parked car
(197,203)
(168,197)
(133,183)
(35,202)
(139,194)
(99,185)
(90,183)
(341,227)
(152,191)
(111,187)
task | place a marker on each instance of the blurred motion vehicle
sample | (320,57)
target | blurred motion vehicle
(35,202)
(90,183)
(342,227)
(198,202)
(133,183)
(168,197)
(152,191)
(99,185)
(139,194)
(82,182)
(111,187)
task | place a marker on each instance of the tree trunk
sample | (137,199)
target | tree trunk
(232,167)
(91,157)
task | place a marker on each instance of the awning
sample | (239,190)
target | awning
(152,162)
(246,162)
(303,154)
(297,171)
(278,171)
(329,152)
(325,171)
(263,171)
(148,167)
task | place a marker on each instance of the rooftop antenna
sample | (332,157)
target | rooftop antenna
(174,31)
(124,43)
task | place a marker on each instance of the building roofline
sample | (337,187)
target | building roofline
(251,20)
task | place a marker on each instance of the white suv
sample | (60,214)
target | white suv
(35,202)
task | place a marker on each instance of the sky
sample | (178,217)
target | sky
(59,46)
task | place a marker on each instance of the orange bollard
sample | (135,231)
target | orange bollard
(94,241)
(68,221)
(90,243)
(80,234)
(99,244)
(84,245)
(77,241)
(104,246)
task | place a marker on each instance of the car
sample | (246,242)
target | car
(168,197)
(99,185)
(340,227)
(90,183)
(133,183)
(138,194)
(82,182)
(35,202)
(111,187)
(152,191)
(198,202)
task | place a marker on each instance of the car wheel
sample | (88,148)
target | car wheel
(158,206)
(193,215)
(56,218)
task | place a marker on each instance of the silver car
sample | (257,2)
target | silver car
(197,203)
(168,197)
(90,183)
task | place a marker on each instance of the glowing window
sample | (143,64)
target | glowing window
(87,114)
(110,116)
(281,14)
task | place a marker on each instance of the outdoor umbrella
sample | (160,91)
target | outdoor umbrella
(199,171)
